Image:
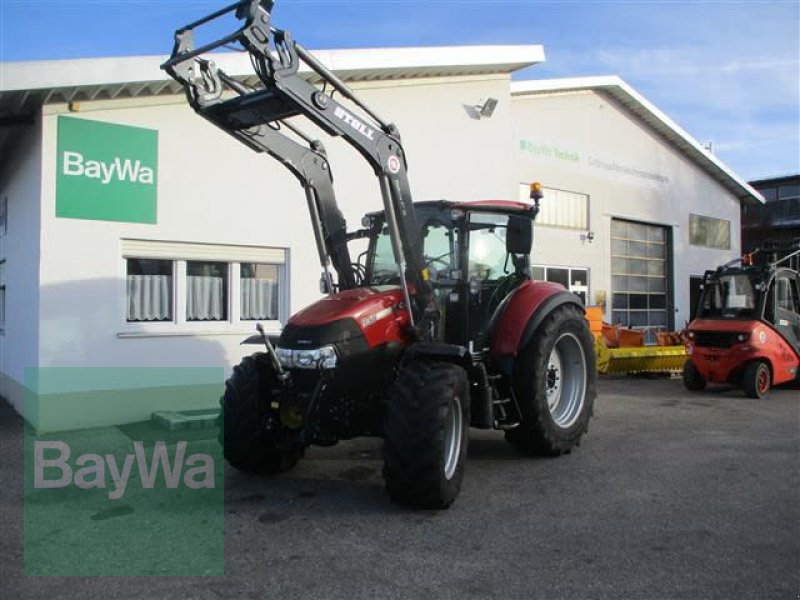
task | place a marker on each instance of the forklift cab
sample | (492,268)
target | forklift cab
(755,293)
(782,305)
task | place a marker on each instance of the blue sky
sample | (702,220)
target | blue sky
(727,72)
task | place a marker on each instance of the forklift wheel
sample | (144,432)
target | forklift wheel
(756,379)
(693,380)
(554,381)
(426,421)
(248,442)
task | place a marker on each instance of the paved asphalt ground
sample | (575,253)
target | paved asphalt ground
(672,495)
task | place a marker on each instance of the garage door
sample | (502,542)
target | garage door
(639,276)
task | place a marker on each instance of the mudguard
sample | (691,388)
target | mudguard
(523,312)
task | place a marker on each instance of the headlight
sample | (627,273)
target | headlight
(285,356)
(311,358)
(743,337)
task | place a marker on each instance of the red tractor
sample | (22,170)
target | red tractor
(435,328)
(747,328)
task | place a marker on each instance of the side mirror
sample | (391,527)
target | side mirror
(519,235)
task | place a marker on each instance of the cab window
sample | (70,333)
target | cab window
(487,246)
(786,294)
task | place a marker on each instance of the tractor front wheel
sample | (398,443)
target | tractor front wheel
(756,379)
(252,436)
(426,424)
(554,382)
(693,380)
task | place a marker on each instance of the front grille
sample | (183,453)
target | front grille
(715,339)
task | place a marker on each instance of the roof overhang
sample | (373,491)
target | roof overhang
(623,94)
(27,85)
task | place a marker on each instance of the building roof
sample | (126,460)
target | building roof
(777,180)
(623,94)
(26,86)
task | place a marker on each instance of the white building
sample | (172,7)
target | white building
(634,207)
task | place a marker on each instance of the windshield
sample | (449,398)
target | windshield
(440,244)
(730,296)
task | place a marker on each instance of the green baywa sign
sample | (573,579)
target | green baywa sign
(106,172)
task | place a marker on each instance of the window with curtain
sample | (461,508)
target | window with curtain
(194,286)
(259,291)
(206,291)
(149,290)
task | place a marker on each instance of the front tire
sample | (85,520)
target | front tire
(252,436)
(693,380)
(756,379)
(426,424)
(554,381)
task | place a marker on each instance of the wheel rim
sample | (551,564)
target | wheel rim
(565,383)
(763,379)
(452,438)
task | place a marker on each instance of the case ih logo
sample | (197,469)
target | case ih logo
(354,123)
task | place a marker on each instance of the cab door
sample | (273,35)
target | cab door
(787,306)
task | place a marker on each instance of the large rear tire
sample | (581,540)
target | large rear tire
(251,435)
(756,379)
(426,423)
(693,380)
(554,382)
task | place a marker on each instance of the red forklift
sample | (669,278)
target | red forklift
(436,327)
(747,328)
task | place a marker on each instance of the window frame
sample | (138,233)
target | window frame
(572,288)
(705,243)
(524,195)
(180,325)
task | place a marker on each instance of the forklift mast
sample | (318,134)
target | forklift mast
(256,116)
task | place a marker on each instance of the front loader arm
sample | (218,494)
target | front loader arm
(277,59)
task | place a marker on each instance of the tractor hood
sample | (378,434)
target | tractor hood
(376,315)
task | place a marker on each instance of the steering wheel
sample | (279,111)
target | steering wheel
(439,259)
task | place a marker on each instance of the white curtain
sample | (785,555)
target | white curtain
(149,297)
(259,298)
(204,298)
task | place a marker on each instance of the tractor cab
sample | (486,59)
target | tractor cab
(747,327)
(475,254)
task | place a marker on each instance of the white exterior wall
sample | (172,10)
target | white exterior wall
(20,183)
(212,189)
(569,132)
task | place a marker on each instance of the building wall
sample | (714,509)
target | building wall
(211,189)
(584,142)
(20,185)
(776,221)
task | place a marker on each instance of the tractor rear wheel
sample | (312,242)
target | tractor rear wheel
(252,438)
(426,423)
(554,382)
(756,379)
(693,380)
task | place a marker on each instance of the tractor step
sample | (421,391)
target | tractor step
(506,426)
